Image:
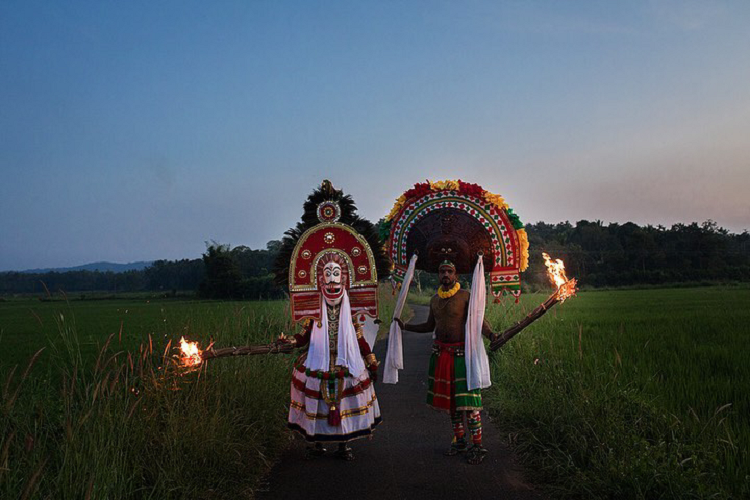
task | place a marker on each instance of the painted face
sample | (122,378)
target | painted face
(331,283)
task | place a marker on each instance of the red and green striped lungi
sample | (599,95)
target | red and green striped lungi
(447,381)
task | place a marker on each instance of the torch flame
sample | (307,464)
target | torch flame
(190,353)
(556,274)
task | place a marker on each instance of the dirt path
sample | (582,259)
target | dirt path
(404,459)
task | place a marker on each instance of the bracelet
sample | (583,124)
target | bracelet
(371,360)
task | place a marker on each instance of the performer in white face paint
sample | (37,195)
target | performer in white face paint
(331,261)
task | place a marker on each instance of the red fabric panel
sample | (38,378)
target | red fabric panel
(364,347)
(442,385)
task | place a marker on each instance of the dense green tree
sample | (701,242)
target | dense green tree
(614,254)
(239,272)
(223,279)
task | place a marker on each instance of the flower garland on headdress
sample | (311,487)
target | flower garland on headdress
(467,188)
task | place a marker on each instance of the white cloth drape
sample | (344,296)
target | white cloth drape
(394,358)
(477,363)
(348,355)
(370,331)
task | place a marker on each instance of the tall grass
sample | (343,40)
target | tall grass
(98,415)
(125,424)
(630,394)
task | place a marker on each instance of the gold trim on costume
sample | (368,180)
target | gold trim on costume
(438,395)
(353,412)
(447,381)
(465,394)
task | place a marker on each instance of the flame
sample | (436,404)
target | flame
(190,353)
(556,274)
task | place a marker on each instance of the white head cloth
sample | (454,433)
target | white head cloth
(477,363)
(348,355)
(394,358)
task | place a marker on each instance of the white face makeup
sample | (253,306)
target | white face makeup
(331,285)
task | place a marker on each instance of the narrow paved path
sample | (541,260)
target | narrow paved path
(404,459)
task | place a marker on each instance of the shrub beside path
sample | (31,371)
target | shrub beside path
(404,459)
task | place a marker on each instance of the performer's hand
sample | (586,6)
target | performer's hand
(283,339)
(400,323)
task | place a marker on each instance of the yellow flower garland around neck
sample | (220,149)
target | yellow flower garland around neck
(450,293)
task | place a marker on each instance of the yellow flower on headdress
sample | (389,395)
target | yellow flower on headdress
(396,207)
(444,185)
(495,199)
(523,241)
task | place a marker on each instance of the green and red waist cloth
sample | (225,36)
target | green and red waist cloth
(447,388)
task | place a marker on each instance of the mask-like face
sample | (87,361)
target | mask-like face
(331,283)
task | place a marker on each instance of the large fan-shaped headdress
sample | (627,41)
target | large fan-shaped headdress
(331,230)
(458,221)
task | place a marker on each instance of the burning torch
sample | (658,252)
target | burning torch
(565,288)
(192,356)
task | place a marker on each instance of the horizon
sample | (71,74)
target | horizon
(150,261)
(138,132)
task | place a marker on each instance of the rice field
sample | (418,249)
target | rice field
(630,394)
(614,394)
(102,413)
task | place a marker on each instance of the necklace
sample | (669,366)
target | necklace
(450,293)
(333,318)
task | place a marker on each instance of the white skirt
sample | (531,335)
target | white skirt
(308,411)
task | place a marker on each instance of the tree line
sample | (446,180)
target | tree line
(613,255)
(222,272)
(598,254)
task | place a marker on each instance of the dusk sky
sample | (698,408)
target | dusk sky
(139,130)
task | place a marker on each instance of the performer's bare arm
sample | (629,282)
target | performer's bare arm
(487,331)
(426,327)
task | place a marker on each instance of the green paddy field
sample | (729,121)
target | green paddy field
(614,394)
(115,420)
(630,394)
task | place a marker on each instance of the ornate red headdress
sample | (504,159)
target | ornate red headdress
(456,220)
(331,231)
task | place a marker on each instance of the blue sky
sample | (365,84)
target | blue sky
(140,130)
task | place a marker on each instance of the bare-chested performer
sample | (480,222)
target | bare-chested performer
(448,389)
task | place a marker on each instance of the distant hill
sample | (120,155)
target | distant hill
(96,266)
